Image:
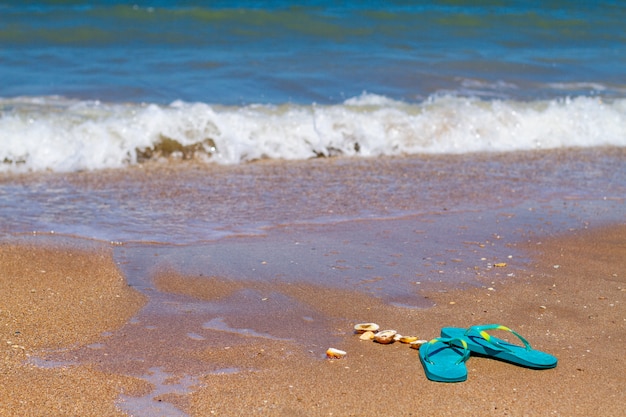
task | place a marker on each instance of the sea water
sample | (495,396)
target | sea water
(91,86)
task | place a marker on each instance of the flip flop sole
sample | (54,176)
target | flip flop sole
(441,363)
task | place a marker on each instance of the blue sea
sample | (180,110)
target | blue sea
(108,84)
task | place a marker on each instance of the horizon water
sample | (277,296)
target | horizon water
(108,84)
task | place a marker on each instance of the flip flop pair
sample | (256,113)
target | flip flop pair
(444,357)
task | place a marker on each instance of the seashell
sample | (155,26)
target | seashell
(368,335)
(385,337)
(407,339)
(417,344)
(365,327)
(397,337)
(333,353)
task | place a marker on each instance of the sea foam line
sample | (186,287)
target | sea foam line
(53,133)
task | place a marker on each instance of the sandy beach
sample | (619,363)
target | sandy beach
(570,302)
(240,324)
(55,299)
(199,199)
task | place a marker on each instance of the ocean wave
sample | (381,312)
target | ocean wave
(60,134)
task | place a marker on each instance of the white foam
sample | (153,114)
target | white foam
(57,134)
(369,99)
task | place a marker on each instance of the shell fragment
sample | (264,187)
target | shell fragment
(367,335)
(385,337)
(417,344)
(407,339)
(366,327)
(333,353)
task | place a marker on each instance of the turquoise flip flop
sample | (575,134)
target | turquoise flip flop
(479,341)
(443,361)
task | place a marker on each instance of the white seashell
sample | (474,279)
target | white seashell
(333,353)
(417,344)
(385,337)
(365,327)
(368,335)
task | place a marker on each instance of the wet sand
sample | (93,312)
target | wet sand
(571,302)
(239,323)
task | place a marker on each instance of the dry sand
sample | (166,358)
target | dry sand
(51,299)
(571,303)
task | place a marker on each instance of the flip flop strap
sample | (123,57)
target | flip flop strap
(481,330)
(447,340)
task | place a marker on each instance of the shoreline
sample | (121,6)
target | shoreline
(575,311)
(157,203)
